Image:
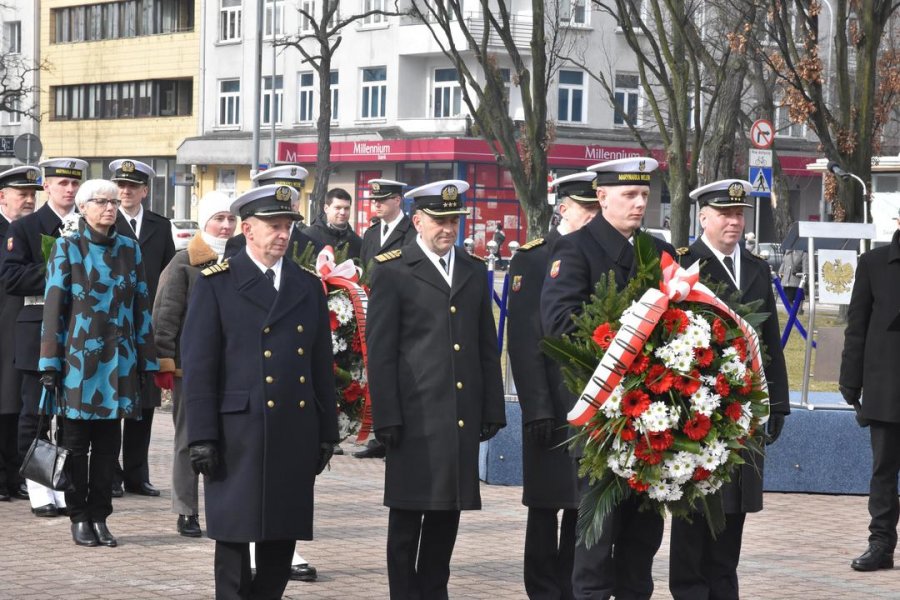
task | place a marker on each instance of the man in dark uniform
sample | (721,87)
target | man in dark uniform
(154,235)
(260,397)
(437,390)
(550,476)
(701,567)
(293,176)
(17,197)
(869,370)
(333,227)
(23,272)
(620,562)
(390,230)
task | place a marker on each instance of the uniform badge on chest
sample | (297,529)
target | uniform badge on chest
(554,268)
(9,245)
(516,283)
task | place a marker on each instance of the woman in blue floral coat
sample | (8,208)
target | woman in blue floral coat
(96,346)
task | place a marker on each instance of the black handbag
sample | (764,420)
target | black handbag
(45,462)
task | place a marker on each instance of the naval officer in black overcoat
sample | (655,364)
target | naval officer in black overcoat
(620,562)
(436,387)
(293,176)
(391,229)
(260,397)
(550,477)
(23,273)
(701,567)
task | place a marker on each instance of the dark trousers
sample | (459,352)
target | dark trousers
(135,450)
(549,553)
(621,561)
(94,445)
(884,507)
(232,570)
(9,453)
(703,568)
(28,417)
(419,548)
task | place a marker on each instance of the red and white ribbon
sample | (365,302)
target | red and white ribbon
(678,285)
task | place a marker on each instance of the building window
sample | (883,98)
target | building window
(571,97)
(12,37)
(573,12)
(504,77)
(374,90)
(229,102)
(230,21)
(269,96)
(447,94)
(14,117)
(307,15)
(627,95)
(784,126)
(123,19)
(150,98)
(372,5)
(333,84)
(274,17)
(305,97)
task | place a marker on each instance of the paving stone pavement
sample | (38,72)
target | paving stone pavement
(799,548)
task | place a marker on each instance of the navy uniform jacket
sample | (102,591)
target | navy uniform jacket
(434,369)
(23,272)
(550,476)
(402,234)
(297,243)
(258,380)
(744,493)
(10,379)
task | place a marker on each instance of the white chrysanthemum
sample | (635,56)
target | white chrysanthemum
(338,344)
(664,491)
(621,464)
(704,401)
(744,421)
(680,467)
(612,408)
(709,486)
(656,417)
(358,373)
(69,224)
(341,306)
(344,424)
(674,417)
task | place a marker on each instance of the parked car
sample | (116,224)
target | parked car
(182,232)
(771,253)
(660,234)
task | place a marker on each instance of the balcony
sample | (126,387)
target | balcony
(520,25)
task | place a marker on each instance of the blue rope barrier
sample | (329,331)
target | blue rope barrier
(793,310)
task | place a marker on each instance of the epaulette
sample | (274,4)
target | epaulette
(682,251)
(219,268)
(479,258)
(532,244)
(386,256)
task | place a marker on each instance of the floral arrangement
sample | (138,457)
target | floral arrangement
(679,396)
(69,226)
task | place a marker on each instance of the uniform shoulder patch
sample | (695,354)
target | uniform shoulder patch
(390,255)
(478,258)
(215,269)
(682,251)
(532,244)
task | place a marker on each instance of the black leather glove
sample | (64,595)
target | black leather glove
(326,451)
(774,427)
(540,432)
(51,380)
(489,430)
(204,458)
(851,396)
(389,436)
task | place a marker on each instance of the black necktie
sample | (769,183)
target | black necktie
(444,265)
(133,225)
(729,264)
(270,275)
(384,231)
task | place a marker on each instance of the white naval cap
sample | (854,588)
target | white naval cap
(267,201)
(577,186)
(723,193)
(22,178)
(131,171)
(624,171)
(290,175)
(385,188)
(441,198)
(70,168)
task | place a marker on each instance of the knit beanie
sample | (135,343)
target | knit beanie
(210,204)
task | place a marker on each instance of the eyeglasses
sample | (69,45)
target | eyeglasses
(105,202)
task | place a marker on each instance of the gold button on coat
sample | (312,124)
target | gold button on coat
(267,330)
(453,309)
(270,379)
(460,423)
(270,404)
(302,403)
(459,385)
(267,354)
(302,379)
(299,328)
(456,347)
(300,351)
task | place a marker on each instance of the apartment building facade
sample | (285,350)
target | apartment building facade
(20,52)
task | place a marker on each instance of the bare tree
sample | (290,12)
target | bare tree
(317,42)
(17,76)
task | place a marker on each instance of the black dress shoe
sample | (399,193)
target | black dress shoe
(4,497)
(104,537)
(48,510)
(338,451)
(189,526)
(83,534)
(375,450)
(21,492)
(62,511)
(117,491)
(143,489)
(304,572)
(874,558)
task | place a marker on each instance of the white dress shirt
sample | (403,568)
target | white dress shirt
(139,219)
(435,260)
(735,256)
(276,268)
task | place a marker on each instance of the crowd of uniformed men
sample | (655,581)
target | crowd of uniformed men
(246,345)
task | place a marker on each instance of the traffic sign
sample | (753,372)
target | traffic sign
(760,181)
(760,158)
(762,134)
(6,145)
(28,148)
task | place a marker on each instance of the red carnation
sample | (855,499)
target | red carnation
(719,331)
(740,344)
(647,454)
(704,356)
(635,403)
(332,317)
(688,385)
(353,392)
(748,384)
(734,411)
(700,474)
(697,427)
(640,364)
(659,379)
(628,433)
(675,319)
(722,387)
(603,335)
(638,485)
(661,440)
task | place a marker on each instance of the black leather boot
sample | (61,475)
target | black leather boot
(83,534)
(189,526)
(103,535)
